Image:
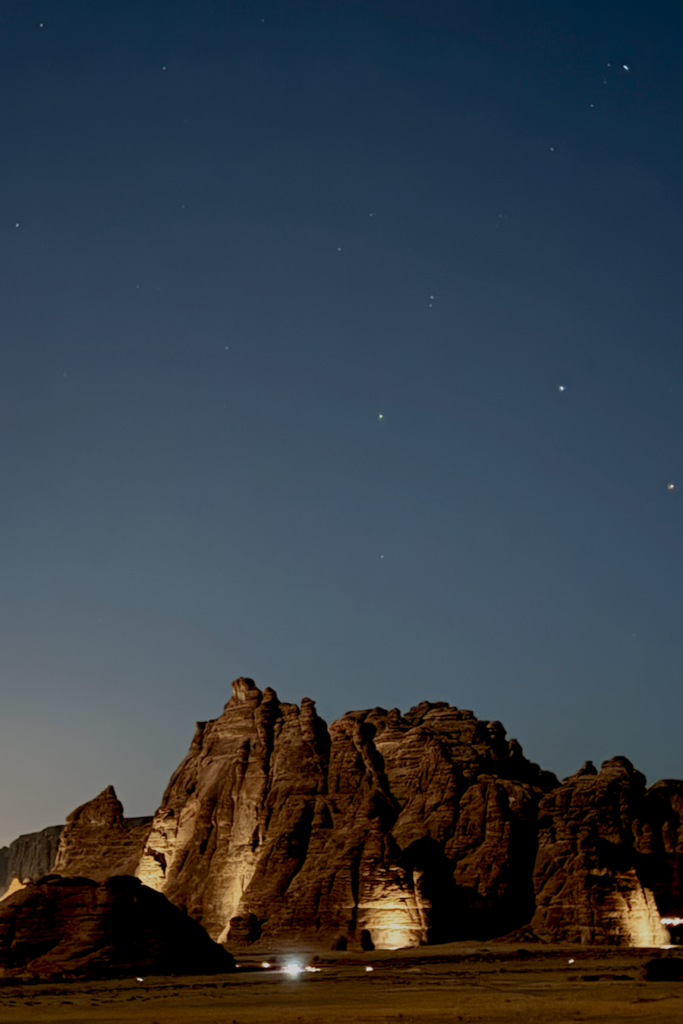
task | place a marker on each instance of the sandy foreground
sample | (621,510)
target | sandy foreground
(459,982)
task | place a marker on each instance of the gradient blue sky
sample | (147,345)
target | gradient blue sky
(221,228)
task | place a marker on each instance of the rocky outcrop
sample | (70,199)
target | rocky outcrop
(98,842)
(384,830)
(29,856)
(388,830)
(586,880)
(76,927)
(658,843)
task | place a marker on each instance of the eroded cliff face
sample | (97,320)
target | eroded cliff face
(587,885)
(98,842)
(29,856)
(384,830)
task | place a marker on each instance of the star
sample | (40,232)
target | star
(561,387)
(670,486)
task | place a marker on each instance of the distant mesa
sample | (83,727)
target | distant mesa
(386,830)
(29,856)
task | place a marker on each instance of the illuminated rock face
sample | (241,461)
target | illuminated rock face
(384,830)
(98,842)
(587,886)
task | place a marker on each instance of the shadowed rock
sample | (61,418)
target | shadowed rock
(658,843)
(664,968)
(75,927)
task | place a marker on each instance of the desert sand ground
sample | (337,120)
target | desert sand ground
(461,982)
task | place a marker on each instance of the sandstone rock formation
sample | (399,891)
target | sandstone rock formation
(98,842)
(76,928)
(386,830)
(389,830)
(586,882)
(29,856)
(658,843)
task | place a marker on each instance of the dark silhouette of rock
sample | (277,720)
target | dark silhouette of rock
(387,829)
(75,927)
(664,968)
(98,842)
(586,882)
(29,856)
(658,841)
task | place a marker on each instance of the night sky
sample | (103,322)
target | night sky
(340,347)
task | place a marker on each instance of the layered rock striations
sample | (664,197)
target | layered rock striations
(98,842)
(587,884)
(384,830)
(29,856)
(75,927)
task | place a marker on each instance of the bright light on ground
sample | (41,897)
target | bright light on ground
(293,969)
(265,964)
(369,968)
